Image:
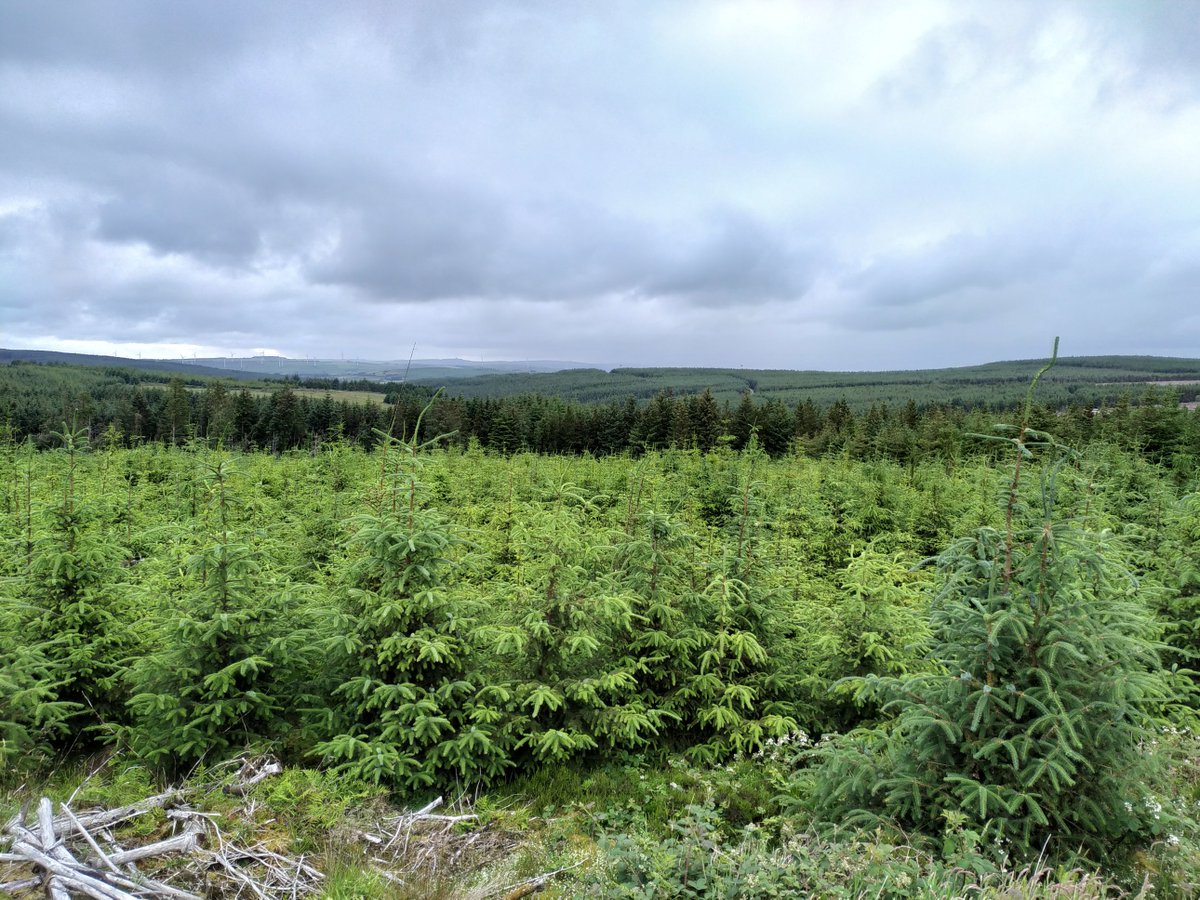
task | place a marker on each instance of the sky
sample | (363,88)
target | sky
(804,185)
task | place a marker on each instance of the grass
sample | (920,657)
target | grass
(627,828)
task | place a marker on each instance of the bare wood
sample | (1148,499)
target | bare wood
(239,876)
(443,818)
(426,809)
(80,880)
(90,840)
(105,817)
(157,886)
(533,885)
(243,788)
(54,887)
(184,843)
(186,814)
(45,815)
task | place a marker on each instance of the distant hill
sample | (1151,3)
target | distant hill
(1074,381)
(256,367)
(1080,379)
(149,365)
(385,370)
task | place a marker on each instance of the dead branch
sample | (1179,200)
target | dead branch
(69,859)
(63,875)
(91,842)
(186,842)
(242,788)
(533,885)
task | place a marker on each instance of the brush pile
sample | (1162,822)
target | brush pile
(72,853)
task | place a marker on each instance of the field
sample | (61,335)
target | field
(376,397)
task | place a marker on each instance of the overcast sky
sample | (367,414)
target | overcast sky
(796,184)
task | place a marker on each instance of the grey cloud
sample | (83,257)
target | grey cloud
(960,262)
(427,245)
(1145,49)
(603,182)
(735,260)
(182,213)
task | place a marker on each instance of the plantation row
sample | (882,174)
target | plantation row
(428,617)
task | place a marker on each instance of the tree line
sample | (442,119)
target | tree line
(127,408)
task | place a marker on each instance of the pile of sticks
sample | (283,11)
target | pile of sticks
(53,846)
(75,854)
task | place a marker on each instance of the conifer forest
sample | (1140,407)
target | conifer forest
(665,648)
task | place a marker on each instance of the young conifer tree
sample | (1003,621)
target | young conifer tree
(31,715)
(235,655)
(736,694)
(574,691)
(72,599)
(412,710)
(1034,724)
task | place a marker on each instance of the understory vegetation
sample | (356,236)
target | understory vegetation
(693,672)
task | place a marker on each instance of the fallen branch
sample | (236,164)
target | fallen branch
(533,885)
(186,842)
(242,788)
(104,817)
(74,855)
(90,840)
(76,877)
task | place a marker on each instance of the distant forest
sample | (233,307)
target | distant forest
(908,417)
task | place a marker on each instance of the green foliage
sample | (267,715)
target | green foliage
(558,626)
(703,857)
(1033,724)
(415,712)
(234,656)
(72,609)
(737,692)
(31,715)
(572,693)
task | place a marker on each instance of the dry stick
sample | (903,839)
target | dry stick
(90,840)
(52,846)
(408,819)
(244,787)
(219,856)
(532,885)
(424,810)
(106,817)
(92,774)
(185,843)
(45,815)
(70,876)
(157,886)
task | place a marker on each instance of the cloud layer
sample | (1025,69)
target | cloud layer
(752,183)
